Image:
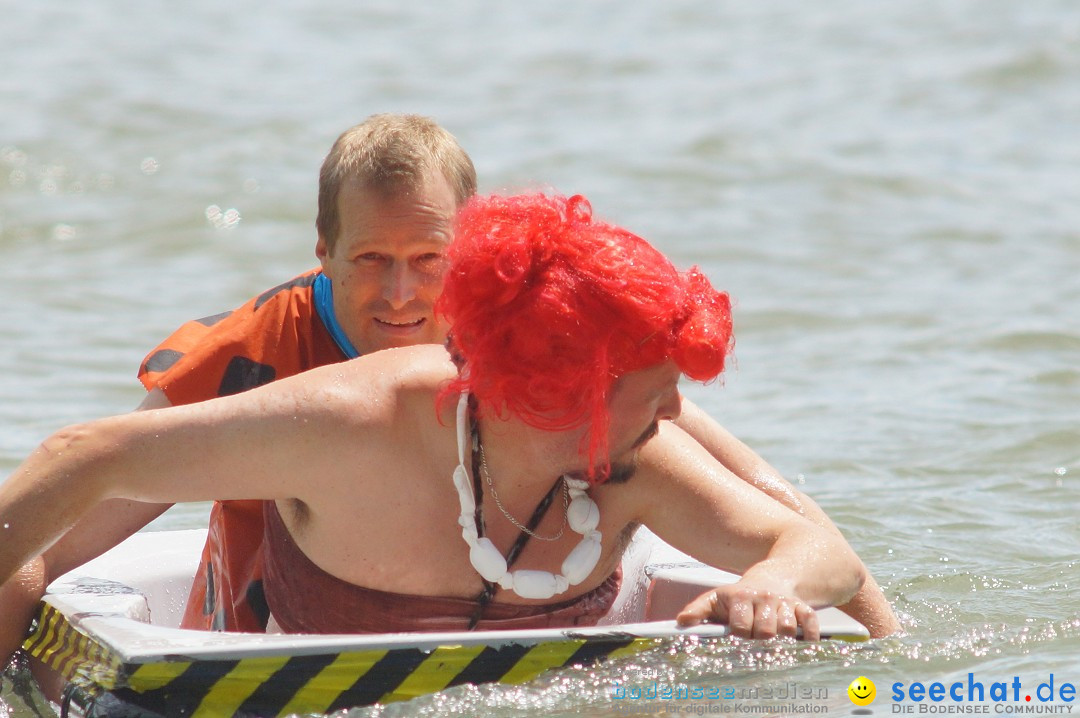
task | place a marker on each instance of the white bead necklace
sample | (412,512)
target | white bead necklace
(582,515)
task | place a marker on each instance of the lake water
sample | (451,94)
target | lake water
(888,189)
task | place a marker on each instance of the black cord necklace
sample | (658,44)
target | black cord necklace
(485,596)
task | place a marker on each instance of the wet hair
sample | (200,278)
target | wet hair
(391,154)
(549,306)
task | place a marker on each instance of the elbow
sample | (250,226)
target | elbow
(68,439)
(861,575)
(852,579)
(73,447)
(842,574)
(77,455)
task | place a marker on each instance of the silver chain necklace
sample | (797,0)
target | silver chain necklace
(509,517)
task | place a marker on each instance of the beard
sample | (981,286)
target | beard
(649,433)
(619,472)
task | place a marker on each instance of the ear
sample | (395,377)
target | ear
(322,251)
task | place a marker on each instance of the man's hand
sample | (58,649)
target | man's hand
(752,613)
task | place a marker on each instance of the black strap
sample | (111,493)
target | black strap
(485,596)
(478,489)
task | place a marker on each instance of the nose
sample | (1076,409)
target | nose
(400,284)
(671,407)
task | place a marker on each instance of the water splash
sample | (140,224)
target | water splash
(690,661)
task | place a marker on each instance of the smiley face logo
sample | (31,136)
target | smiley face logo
(862,691)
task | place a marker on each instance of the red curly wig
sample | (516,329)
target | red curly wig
(548,306)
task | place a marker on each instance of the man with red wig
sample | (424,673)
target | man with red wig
(413,477)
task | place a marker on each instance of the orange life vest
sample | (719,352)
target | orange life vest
(274,335)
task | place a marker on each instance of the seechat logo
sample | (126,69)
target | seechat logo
(1003,696)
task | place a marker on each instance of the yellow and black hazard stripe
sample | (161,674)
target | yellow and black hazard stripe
(70,652)
(282,685)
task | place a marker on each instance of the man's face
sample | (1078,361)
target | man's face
(639,400)
(387,264)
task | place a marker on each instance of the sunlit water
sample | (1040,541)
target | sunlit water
(889,191)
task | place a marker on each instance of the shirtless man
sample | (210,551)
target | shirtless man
(568,340)
(381,223)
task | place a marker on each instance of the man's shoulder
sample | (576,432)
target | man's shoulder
(297,290)
(299,286)
(377,394)
(390,381)
(274,334)
(422,367)
(277,300)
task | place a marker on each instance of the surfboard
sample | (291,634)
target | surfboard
(110,630)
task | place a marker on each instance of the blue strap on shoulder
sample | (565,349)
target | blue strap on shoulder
(324,304)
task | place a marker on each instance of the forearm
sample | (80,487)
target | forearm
(104,526)
(19,599)
(777,595)
(46,495)
(107,524)
(100,529)
(811,565)
(869,606)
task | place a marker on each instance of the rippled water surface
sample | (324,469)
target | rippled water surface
(888,189)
